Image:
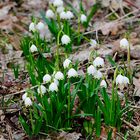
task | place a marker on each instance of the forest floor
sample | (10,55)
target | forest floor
(109,24)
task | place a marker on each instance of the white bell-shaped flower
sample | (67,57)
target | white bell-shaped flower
(122,81)
(72,73)
(58,3)
(83,18)
(63,15)
(33,48)
(65,40)
(98,62)
(53,87)
(69,15)
(50,13)
(91,70)
(59,75)
(103,84)
(24,96)
(60,9)
(40,26)
(41,89)
(98,75)
(93,43)
(46,78)
(28,102)
(124,44)
(66,63)
(56,81)
(32,27)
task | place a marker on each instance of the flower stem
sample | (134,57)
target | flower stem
(69,98)
(57,50)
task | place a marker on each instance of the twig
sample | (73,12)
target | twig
(130,3)
(129,124)
(116,21)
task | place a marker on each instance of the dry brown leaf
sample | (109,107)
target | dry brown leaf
(68,136)
(5,10)
(136,82)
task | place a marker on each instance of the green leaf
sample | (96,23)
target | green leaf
(25,126)
(111,61)
(98,122)
(38,125)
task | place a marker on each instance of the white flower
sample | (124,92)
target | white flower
(24,96)
(72,73)
(56,81)
(40,26)
(91,70)
(83,18)
(66,63)
(32,27)
(122,81)
(33,48)
(119,79)
(46,78)
(98,62)
(93,43)
(126,80)
(63,15)
(103,84)
(59,75)
(65,39)
(50,14)
(124,43)
(98,75)
(58,3)
(41,89)
(28,102)
(69,15)
(60,9)
(53,87)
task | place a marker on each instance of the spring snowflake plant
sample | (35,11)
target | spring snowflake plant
(52,105)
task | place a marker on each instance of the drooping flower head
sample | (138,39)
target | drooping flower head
(50,14)
(32,27)
(58,3)
(83,18)
(103,84)
(124,44)
(98,62)
(66,63)
(46,78)
(93,43)
(91,70)
(65,40)
(33,48)
(41,89)
(122,81)
(53,87)
(24,96)
(28,102)
(59,75)
(72,73)
(40,26)
(98,75)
